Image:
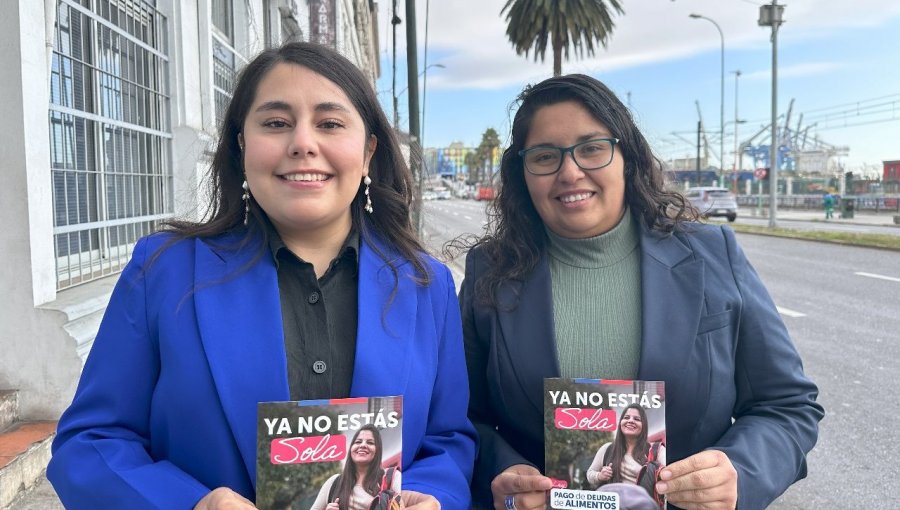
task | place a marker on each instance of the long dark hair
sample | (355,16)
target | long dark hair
(515,236)
(374,473)
(391,188)
(620,446)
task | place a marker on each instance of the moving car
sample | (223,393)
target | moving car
(713,201)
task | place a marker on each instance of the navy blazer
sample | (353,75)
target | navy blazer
(709,330)
(190,343)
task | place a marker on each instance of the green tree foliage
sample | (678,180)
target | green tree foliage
(563,23)
(473,166)
(568,453)
(490,142)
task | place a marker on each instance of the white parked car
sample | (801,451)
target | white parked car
(442,193)
(713,201)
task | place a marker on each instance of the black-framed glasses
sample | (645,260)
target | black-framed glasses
(590,155)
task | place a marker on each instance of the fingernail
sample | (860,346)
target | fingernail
(665,475)
(661,487)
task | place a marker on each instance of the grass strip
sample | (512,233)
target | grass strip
(883,241)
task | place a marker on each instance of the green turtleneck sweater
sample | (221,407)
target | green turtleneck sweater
(597,302)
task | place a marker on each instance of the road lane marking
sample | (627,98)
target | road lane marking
(879,276)
(789,313)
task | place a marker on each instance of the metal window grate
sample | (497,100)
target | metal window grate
(226,62)
(110,135)
(223,18)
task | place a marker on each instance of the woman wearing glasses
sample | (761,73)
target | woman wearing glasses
(591,268)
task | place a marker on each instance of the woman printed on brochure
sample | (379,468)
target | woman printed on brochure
(360,480)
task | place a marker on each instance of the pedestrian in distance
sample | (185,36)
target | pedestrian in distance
(591,268)
(828,203)
(304,281)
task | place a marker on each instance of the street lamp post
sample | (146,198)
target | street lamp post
(770,16)
(721,97)
(734,164)
(404,89)
(420,177)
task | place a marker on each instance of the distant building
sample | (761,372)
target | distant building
(110,111)
(448,162)
(682,164)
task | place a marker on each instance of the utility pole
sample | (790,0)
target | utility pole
(771,16)
(415,150)
(734,165)
(395,20)
(699,129)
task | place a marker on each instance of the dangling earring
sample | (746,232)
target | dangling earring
(368,207)
(246,199)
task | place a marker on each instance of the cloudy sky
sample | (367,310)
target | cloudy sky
(838,60)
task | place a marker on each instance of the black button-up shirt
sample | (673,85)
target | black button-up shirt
(319,316)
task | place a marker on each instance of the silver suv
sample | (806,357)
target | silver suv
(713,201)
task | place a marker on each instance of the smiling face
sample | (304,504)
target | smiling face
(631,424)
(363,449)
(305,152)
(572,202)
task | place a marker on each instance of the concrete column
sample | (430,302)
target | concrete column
(38,358)
(25,153)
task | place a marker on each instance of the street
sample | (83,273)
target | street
(840,305)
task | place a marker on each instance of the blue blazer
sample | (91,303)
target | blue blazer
(166,407)
(709,330)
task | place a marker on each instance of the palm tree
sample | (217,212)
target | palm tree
(575,23)
(472,164)
(487,150)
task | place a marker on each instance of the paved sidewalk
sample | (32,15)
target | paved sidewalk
(41,497)
(859,218)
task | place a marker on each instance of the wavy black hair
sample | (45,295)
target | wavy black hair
(515,236)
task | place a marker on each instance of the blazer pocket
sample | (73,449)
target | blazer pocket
(714,322)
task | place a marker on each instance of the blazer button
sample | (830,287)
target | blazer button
(319,367)
(313,298)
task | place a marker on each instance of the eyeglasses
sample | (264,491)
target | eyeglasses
(590,155)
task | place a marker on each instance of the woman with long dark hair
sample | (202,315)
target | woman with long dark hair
(359,482)
(303,274)
(622,459)
(592,268)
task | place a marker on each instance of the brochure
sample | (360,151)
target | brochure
(303,447)
(603,439)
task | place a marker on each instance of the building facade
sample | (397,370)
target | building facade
(111,110)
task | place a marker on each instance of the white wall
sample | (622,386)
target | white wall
(35,360)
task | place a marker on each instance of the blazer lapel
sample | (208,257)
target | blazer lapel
(239,316)
(386,326)
(672,291)
(525,313)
